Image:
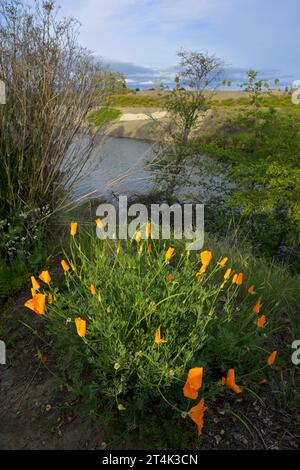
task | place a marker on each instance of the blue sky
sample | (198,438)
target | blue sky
(260,34)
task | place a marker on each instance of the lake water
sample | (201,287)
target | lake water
(117,166)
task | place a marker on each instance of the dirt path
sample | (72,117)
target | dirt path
(34,412)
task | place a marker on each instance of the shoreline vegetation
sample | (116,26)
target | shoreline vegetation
(227,103)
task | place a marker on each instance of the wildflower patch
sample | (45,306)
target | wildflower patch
(136,327)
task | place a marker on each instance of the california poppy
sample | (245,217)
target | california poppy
(271,358)
(193,382)
(37,304)
(227,274)
(50,298)
(148,230)
(34,283)
(196,414)
(223,261)
(238,279)
(93,289)
(206,257)
(80,326)
(65,265)
(261,321)
(256,307)
(251,289)
(230,381)
(169,254)
(45,277)
(169,277)
(74,227)
(138,236)
(100,224)
(150,248)
(158,339)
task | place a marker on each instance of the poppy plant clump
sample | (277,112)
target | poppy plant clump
(146,335)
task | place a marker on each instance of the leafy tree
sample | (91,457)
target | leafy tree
(197,79)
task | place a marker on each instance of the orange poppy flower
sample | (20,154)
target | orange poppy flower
(65,265)
(230,381)
(158,339)
(193,382)
(251,289)
(169,277)
(33,292)
(261,321)
(34,283)
(223,261)
(169,254)
(206,257)
(100,224)
(50,298)
(256,307)
(227,274)
(271,358)
(196,414)
(223,381)
(148,230)
(45,277)
(238,279)
(80,326)
(73,229)
(138,236)
(93,289)
(150,249)
(37,304)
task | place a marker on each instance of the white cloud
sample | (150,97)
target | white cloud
(120,28)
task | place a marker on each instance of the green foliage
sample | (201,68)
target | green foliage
(103,115)
(254,88)
(184,105)
(136,100)
(207,322)
(262,149)
(21,238)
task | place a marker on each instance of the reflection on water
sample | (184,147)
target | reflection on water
(116,166)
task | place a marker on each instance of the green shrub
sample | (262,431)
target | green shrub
(137,100)
(206,321)
(263,158)
(103,115)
